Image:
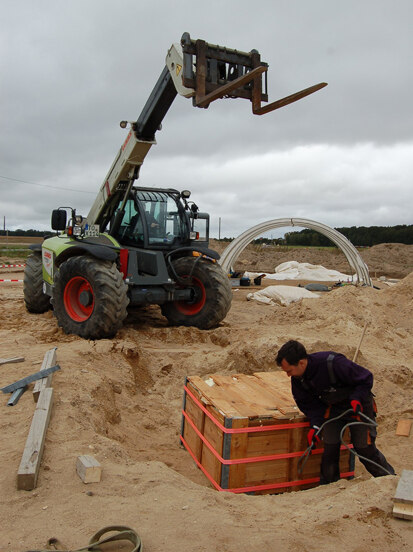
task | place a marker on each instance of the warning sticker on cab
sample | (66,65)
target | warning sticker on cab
(47,258)
(178,69)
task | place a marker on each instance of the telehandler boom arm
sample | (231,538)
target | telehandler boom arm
(205,72)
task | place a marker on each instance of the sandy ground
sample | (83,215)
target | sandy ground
(120,400)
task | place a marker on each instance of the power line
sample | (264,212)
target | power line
(45,185)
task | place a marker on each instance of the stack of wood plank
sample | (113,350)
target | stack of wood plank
(247,435)
(32,455)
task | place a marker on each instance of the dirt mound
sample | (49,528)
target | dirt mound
(392,260)
(121,399)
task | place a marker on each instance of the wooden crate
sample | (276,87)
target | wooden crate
(247,435)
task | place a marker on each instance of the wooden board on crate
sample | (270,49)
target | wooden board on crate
(221,403)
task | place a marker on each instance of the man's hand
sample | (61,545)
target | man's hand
(356,406)
(312,438)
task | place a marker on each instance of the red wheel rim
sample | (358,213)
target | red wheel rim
(72,301)
(190,308)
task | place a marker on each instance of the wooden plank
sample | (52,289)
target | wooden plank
(268,442)
(236,396)
(198,418)
(280,385)
(297,442)
(274,399)
(248,402)
(239,446)
(49,360)
(259,393)
(216,396)
(261,473)
(403,511)
(215,437)
(10,360)
(88,469)
(404,491)
(403,428)
(33,450)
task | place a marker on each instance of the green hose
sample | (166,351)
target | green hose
(122,533)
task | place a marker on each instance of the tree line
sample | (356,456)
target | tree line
(31,233)
(360,236)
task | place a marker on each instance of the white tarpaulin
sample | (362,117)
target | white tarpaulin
(293,270)
(281,294)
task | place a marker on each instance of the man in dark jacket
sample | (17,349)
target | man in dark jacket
(324,385)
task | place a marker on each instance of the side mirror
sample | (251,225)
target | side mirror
(59,219)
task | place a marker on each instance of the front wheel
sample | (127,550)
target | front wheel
(36,301)
(89,298)
(211,298)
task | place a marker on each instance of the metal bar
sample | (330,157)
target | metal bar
(156,107)
(215,51)
(201,71)
(227,88)
(256,84)
(183,409)
(213,71)
(289,99)
(226,454)
(14,399)
(33,377)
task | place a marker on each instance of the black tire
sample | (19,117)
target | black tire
(36,301)
(89,298)
(212,298)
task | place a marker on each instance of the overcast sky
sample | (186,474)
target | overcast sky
(71,70)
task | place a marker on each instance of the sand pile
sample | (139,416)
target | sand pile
(120,400)
(393,260)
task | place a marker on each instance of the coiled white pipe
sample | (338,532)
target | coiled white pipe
(235,248)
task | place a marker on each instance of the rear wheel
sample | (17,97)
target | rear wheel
(211,298)
(36,301)
(89,298)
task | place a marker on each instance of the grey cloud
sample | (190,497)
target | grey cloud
(72,71)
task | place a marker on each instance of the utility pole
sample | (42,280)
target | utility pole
(4,228)
(219,229)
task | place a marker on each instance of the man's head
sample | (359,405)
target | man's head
(292,357)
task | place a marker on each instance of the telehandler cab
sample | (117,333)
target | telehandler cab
(137,245)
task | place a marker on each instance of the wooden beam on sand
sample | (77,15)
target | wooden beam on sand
(48,361)
(10,360)
(32,454)
(403,427)
(88,469)
(403,499)
(359,345)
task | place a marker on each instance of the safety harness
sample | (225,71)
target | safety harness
(336,393)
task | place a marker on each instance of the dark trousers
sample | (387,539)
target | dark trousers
(363,439)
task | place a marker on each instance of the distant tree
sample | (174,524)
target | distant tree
(360,236)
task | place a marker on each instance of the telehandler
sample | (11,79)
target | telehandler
(137,245)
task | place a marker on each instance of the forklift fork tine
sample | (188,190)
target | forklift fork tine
(289,99)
